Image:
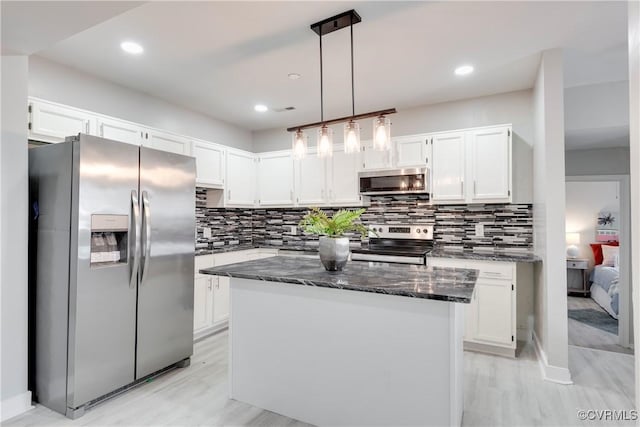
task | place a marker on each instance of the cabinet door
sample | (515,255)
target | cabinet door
(275,179)
(202,304)
(494,312)
(343,178)
(53,123)
(374,159)
(221,300)
(448,152)
(119,130)
(241,179)
(411,151)
(490,159)
(311,180)
(167,142)
(209,164)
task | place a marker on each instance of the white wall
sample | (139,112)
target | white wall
(548,218)
(634,131)
(512,107)
(59,83)
(597,105)
(14,235)
(585,200)
(603,161)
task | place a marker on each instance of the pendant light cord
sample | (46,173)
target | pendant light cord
(353,98)
(321,88)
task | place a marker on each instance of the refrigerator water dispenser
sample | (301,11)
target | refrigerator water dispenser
(109,235)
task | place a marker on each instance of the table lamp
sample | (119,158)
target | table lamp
(573,240)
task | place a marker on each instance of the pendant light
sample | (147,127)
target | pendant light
(299,146)
(381,133)
(325,142)
(351,127)
(351,137)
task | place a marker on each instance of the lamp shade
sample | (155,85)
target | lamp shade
(325,141)
(299,145)
(351,137)
(573,238)
(381,133)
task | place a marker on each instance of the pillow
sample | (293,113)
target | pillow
(596,248)
(609,255)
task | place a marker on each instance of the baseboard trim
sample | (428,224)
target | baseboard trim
(210,331)
(554,374)
(15,406)
(490,349)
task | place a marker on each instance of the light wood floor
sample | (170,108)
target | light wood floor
(498,392)
(584,335)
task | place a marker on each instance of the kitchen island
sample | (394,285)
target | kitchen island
(376,344)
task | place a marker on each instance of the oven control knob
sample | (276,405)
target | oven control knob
(425,231)
(380,230)
(418,230)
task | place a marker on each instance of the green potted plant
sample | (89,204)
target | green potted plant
(334,247)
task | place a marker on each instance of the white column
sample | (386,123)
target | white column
(15,398)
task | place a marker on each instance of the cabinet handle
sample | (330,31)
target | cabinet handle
(210,284)
(228,194)
(101,129)
(461,187)
(474,189)
(291,194)
(86,126)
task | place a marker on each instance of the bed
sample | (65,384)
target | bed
(604,288)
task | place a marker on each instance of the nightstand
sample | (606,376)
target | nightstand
(577,280)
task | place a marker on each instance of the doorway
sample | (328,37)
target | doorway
(598,263)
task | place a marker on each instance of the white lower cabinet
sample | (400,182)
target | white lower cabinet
(211,293)
(490,318)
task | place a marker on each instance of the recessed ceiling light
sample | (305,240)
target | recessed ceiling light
(293,76)
(463,70)
(261,108)
(132,48)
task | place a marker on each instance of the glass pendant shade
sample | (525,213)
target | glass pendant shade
(382,133)
(325,142)
(351,137)
(299,145)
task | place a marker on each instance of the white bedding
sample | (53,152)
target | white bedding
(604,288)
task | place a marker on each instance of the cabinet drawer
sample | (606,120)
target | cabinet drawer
(492,270)
(577,264)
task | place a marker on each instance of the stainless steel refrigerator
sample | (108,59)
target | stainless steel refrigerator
(113,266)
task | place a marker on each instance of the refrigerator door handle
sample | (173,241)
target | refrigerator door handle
(146,213)
(135,208)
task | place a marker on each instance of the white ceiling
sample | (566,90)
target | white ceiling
(31,26)
(221,58)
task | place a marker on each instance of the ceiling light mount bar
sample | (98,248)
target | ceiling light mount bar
(335,23)
(343,119)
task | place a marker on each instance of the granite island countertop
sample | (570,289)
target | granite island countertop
(415,281)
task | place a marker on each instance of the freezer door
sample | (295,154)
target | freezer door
(165,290)
(102,302)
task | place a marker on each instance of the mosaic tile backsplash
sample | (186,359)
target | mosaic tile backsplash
(506,226)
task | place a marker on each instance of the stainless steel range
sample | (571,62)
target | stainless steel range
(396,243)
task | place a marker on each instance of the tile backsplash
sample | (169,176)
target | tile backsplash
(506,226)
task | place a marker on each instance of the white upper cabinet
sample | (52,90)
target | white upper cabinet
(490,162)
(241,179)
(275,179)
(343,178)
(311,180)
(411,150)
(119,130)
(374,159)
(210,164)
(50,122)
(448,167)
(166,141)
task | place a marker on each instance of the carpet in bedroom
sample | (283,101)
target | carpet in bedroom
(596,319)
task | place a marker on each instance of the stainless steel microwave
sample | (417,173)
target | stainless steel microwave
(394,181)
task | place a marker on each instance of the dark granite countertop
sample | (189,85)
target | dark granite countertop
(503,256)
(445,284)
